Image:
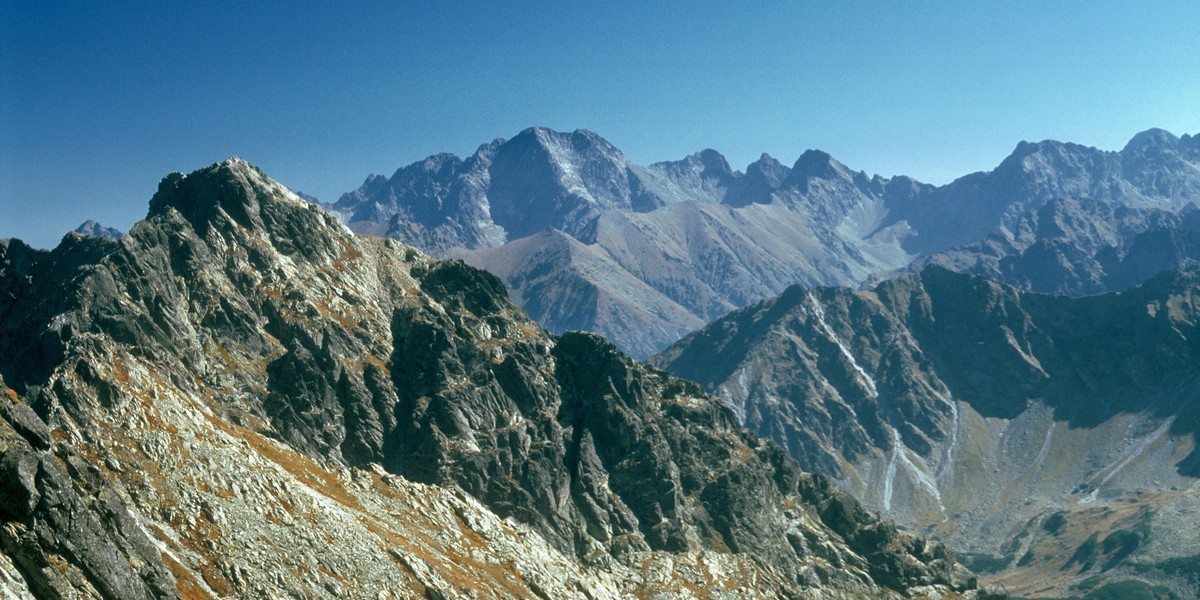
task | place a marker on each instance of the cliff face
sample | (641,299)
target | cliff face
(241,397)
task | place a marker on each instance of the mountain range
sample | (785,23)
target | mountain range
(1078,247)
(1051,439)
(586,239)
(187,405)
(242,398)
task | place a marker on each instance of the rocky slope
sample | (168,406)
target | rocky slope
(588,240)
(243,398)
(1014,426)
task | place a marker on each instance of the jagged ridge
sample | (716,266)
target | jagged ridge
(202,364)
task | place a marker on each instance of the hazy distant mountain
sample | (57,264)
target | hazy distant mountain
(676,268)
(95,229)
(510,189)
(308,197)
(638,254)
(1079,246)
(1011,425)
(1154,170)
(656,250)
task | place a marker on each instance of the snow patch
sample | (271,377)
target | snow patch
(899,450)
(1126,458)
(819,313)
(888,479)
(955,423)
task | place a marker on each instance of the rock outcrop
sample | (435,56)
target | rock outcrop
(241,397)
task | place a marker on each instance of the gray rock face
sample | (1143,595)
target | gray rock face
(64,526)
(283,408)
(970,410)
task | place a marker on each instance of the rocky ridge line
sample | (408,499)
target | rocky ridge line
(271,396)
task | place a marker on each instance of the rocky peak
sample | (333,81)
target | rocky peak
(1043,159)
(559,145)
(714,164)
(815,164)
(233,202)
(232,189)
(901,190)
(768,168)
(438,165)
(372,183)
(1153,139)
(762,177)
(1191,142)
(708,167)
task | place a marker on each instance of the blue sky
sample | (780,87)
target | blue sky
(99,100)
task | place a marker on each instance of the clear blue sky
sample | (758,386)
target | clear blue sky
(99,100)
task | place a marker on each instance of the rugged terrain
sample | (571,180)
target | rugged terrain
(243,398)
(1051,439)
(588,240)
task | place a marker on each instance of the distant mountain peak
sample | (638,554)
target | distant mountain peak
(1026,148)
(1151,138)
(94,229)
(816,164)
(710,163)
(443,163)
(766,162)
(714,161)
